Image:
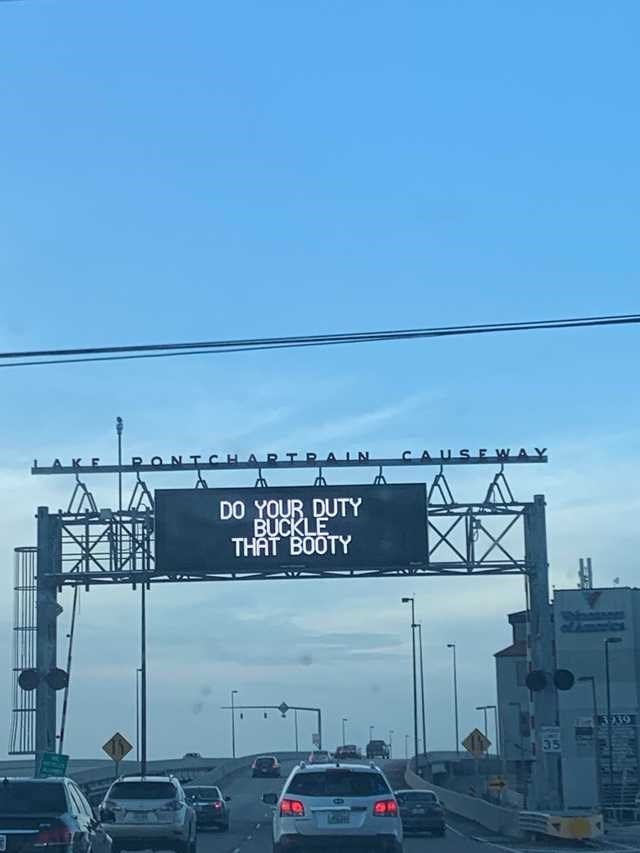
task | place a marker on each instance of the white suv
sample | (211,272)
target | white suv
(149,813)
(327,806)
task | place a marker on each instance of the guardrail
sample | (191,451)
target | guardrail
(495,818)
(574,827)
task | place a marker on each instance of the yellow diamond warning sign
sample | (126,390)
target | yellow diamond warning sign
(117,747)
(476,743)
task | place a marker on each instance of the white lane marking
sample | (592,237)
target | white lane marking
(257,826)
(457,831)
(499,846)
(237,850)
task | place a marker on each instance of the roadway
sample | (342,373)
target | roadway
(250,829)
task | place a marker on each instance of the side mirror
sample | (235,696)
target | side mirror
(270,799)
(227,799)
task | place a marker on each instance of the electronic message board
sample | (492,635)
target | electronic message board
(246,529)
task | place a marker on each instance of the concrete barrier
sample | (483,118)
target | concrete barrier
(497,819)
(96,781)
(95,777)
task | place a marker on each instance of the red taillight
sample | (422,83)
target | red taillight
(291,808)
(59,834)
(216,805)
(386,808)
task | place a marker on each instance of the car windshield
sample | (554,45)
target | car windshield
(338,783)
(32,798)
(143,791)
(203,793)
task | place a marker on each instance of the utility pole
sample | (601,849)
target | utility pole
(546,766)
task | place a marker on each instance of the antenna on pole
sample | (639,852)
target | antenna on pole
(585,574)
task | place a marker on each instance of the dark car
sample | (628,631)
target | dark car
(212,808)
(421,811)
(377,749)
(265,766)
(54,813)
(348,750)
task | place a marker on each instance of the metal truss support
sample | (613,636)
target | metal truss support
(47,610)
(546,767)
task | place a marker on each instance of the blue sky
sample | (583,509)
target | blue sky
(179,172)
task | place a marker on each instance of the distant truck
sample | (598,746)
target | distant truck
(377,749)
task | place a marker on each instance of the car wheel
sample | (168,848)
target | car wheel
(441,832)
(224,827)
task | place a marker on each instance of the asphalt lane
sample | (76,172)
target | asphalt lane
(250,826)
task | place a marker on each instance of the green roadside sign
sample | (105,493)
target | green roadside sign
(53,764)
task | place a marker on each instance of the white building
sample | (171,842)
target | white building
(583,620)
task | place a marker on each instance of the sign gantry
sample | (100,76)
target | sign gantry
(319,531)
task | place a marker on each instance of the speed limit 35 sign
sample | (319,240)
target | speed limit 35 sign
(551,739)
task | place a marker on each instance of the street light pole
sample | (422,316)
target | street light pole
(138,671)
(143,678)
(424,719)
(596,731)
(523,778)
(484,708)
(455,695)
(345,720)
(234,693)
(371,730)
(391,733)
(415,674)
(406,747)
(607,643)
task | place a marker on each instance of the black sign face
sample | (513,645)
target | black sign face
(199,530)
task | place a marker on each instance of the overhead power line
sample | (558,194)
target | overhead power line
(135,351)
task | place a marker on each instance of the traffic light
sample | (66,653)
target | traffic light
(563,679)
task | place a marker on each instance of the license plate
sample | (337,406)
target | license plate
(338,818)
(418,811)
(139,817)
(3,842)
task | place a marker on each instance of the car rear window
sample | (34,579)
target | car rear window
(143,791)
(417,797)
(32,798)
(203,793)
(265,762)
(338,783)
